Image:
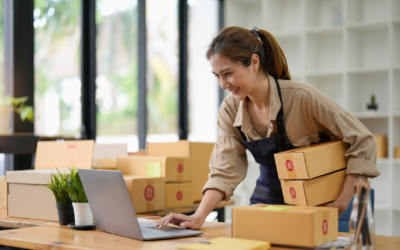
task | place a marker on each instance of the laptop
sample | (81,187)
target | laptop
(113,210)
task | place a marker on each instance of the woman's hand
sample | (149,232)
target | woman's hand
(184,221)
(208,203)
(345,195)
(341,207)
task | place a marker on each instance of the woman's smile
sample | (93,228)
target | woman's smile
(234,91)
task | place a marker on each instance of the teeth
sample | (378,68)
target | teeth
(235,89)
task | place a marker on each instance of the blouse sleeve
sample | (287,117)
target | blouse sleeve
(362,154)
(228,162)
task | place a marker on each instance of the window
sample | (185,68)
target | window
(117,72)
(57,67)
(162,69)
(203,87)
(1,72)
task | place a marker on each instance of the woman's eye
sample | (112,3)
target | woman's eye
(227,74)
(216,76)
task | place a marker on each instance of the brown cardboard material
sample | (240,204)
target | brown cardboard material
(178,194)
(299,226)
(28,198)
(3,191)
(313,192)
(382,141)
(147,194)
(64,154)
(397,152)
(200,154)
(311,161)
(104,164)
(173,169)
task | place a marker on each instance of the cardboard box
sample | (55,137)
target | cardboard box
(109,151)
(397,152)
(178,194)
(104,164)
(313,192)
(200,154)
(147,194)
(3,191)
(298,226)
(28,198)
(382,145)
(64,154)
(311,161)
(173,169)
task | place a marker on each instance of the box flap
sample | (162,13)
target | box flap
(64,154)
(175,149)
(109,151)
(31,176)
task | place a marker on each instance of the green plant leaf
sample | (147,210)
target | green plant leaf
(18,100)
(73,195)
(8,100)
(26,112)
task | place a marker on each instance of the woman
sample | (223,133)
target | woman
(266,113)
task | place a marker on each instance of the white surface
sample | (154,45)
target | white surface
(348,49)
(109,150)
(83,214)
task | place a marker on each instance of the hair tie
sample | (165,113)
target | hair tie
(255,31)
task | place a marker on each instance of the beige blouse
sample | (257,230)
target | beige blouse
(309,115)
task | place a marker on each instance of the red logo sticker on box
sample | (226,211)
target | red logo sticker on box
(179,195)
(289,165)
(149,192)
(325,227)
(180,168)
(293,192)
(71,146)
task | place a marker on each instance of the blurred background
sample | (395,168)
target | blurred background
(132,71)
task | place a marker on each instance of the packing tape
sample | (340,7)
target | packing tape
(179,177)
(149,181)
(149,207)
(290,167)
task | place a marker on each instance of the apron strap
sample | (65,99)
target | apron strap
(280,122)
(243,135)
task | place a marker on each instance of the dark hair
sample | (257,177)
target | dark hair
(239,45)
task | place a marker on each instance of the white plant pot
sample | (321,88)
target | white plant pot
(83,214)
(5,117)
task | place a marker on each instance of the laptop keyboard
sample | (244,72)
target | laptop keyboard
(150,232)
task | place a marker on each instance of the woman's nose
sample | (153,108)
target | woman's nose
(224,84)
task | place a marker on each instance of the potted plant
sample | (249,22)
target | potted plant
(82,211)
(372,106)
(7,105)
(58,184)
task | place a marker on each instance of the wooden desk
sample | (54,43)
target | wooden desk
(52,236)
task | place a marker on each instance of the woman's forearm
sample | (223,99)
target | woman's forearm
(210,200)
(347,191)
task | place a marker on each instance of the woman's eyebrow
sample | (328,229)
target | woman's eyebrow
(222,71)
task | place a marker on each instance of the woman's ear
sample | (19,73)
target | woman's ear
(255,62)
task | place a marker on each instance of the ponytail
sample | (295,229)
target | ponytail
(239,45)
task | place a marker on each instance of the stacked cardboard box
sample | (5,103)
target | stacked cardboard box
(176,172)
(312,175)
(199,153)
(286,225)
(25,191)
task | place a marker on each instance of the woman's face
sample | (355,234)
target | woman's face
(238,79)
